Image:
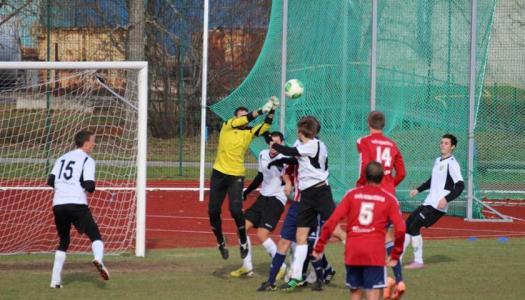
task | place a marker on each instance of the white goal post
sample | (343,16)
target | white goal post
(139,71)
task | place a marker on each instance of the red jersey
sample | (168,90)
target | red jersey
(378,147)
(292,171)
(368,210)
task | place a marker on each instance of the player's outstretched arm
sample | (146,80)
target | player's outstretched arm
(424,186)
(282,161)
(253,185)
(285,150)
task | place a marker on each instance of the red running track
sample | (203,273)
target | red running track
(177,219)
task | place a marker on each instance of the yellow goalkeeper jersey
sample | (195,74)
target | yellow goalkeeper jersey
(233,143)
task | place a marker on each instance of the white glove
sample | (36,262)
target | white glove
(275,101)
(268,106)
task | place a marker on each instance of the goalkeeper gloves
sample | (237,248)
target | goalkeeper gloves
(275,101)
(268,106)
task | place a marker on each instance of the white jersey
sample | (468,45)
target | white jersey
(313,163)
(69,169)
(445,174)
(272,184)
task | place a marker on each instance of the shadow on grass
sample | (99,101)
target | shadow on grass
(439,258)
(85,277)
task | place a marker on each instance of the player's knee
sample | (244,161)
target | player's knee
(263,234)
(413,229)
(63,244)
(93,233)
(214,213)
(283,245)
(236,212)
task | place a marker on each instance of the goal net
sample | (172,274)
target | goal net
(42,106)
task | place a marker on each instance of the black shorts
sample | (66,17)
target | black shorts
(316,200)
(424,215)
(77,215)
(265,212)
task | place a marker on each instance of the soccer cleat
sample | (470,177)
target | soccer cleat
(104,273)
(54,285)
(329,275)
(241,272)
(317,285)
(415,265)
(399,290)
(387,291)
(281,274)
(223,250)
(291,285)
(244,250)
(266,287)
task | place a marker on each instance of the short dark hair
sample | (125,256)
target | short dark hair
(451,137)
(83,136)
(277,134)
(308,126)
(238,109)
(376,120)
(314,120)
(374,172)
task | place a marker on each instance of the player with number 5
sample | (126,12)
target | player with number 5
(377,147)
(367,210)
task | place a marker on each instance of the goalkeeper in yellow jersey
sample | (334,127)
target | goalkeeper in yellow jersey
(228,170)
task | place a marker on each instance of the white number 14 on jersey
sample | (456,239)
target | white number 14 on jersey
(383,156)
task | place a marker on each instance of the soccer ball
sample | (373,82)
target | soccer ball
(293,88)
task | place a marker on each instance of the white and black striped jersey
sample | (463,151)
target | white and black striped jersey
(446,181)
(70,170)
(313,163)
(272,184)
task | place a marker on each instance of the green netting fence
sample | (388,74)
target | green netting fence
(422,86)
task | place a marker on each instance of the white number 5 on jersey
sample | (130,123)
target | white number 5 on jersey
(383,156)
(366,213)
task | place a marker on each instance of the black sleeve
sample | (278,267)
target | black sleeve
(288,151)
(285,160)
(88,185)
(255,183)
(267,137)
(456,191)
(51,180)
(269,117)
(425,186)
(251,117)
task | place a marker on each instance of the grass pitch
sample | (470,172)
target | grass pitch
(455,269)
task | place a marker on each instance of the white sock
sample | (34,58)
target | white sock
(417,244)
(299,256)
(270,247)
(247,261)
(292,252)
(60,258)
(98,250)
(405,245)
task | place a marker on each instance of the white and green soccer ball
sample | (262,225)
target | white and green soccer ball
(293,88)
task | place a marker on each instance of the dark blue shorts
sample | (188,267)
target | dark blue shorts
(289,228)
(365,277)
(290,223)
